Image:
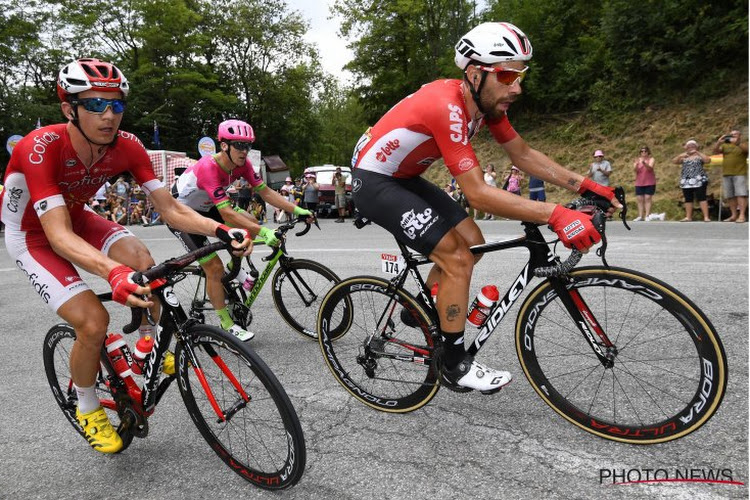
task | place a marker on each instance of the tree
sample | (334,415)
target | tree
(400,45)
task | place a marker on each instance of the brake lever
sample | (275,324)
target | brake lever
(620,195)
(599,220)
(136,313)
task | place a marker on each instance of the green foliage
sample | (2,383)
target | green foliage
(399,45)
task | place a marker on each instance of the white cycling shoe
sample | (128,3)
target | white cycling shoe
(469,374)
(240,333)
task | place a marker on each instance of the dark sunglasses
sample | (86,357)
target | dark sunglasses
(99,105)
(241,145)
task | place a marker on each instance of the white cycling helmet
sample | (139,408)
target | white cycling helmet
(491,43)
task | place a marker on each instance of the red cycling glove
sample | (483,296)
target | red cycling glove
(574,228)
(605,192)
(120,279)
(227,234)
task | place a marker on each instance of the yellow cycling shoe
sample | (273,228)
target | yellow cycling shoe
(99,431)
(168,364)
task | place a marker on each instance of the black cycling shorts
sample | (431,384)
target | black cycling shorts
(195,241)
(415,211)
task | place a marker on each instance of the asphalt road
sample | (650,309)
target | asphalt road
(506,446)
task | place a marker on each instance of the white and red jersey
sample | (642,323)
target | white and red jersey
(429,124)
(204,184)
(45,172)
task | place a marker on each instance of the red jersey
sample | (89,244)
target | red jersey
(429,124)
(45,172)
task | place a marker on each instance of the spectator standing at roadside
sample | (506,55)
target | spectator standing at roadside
(512,183)
(310,192)
(536,189)
(600,169)
(120,189)
(734,172)
(645,183)
(339,192)
(101,194)
(693,179)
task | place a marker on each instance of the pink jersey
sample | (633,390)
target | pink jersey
(45,172)
(205,183)
(429,124)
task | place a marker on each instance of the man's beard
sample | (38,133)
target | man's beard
(490,108)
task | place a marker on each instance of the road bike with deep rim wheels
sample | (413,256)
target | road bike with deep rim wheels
(616,352)
(233,398)
(297,288)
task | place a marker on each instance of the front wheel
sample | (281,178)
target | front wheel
(668,370)
(299,285)
(240,408)
(58,343)
(381,361)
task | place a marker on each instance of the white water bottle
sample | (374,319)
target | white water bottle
(482,305)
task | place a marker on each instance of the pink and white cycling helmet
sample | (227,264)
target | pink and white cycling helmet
(90,74)
(236,130)
(491,43)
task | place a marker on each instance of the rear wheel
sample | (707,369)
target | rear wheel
(382,362)
(191,292)
(240,408)
(56,354)
(668,370)
(299,286)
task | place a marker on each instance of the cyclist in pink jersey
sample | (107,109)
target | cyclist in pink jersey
(52,173)
(438,121)
(203,187)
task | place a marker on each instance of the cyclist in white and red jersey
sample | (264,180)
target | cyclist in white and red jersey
(52,173)
(203,187)
(438,121)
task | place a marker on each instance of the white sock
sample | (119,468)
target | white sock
(87,399)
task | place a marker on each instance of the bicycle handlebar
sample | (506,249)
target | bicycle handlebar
(598,207)
(168,268)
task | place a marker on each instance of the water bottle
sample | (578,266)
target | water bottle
(482,305)
(140,353)
(434,291)
(249,283)
(119,355)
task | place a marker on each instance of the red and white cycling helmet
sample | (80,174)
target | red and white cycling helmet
(491,43)
(236,130)
(90,74)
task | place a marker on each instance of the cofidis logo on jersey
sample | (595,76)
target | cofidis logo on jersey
(41,142)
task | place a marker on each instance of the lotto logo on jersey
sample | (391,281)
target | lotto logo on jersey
(387,150)
(457,126)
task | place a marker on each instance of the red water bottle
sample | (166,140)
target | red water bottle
(140,353)
(482,305)
(434,291)
(119,355)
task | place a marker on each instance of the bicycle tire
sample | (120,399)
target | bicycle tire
(262,440)
(56,355)
(302,276)
(670,371)
(368,368)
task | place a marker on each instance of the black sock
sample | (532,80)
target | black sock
(453,348)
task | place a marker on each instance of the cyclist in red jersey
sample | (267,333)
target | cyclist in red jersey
(438,121)
(52,173)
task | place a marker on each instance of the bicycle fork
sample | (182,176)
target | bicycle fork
(243,398)
(589,327)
